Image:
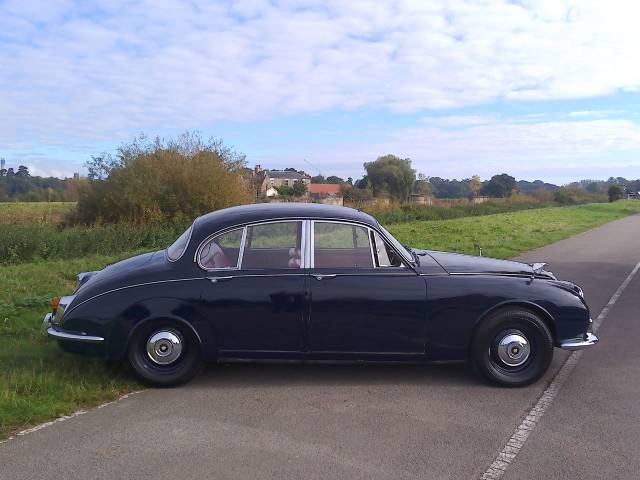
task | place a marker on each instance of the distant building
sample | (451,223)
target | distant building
(263,182)
(76,176)
(421,199)
(3,163)
(279,178)
(328,193)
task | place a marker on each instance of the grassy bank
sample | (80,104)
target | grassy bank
(33,231)
(506,235)
(38,381)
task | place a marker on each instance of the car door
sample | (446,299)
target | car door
(365,303)
(256,295)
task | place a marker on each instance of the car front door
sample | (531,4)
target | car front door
(256,295)
(365,303)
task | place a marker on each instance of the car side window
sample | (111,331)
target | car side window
(273,245)
(222,251)
(341,245)
(385,255)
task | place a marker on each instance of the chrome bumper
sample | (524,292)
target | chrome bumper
(71,336)
(585,341)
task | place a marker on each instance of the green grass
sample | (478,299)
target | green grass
(506,235)
(39,382)
(12,213)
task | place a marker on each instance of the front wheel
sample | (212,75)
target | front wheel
(164,354)
(512,348)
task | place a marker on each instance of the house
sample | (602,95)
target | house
(328,193)
(279,178)
(421,199)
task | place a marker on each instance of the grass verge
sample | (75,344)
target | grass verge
(39,382)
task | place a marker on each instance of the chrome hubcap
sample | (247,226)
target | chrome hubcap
(513,349)
(164,346)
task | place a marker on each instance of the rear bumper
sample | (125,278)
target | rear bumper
(584,341)
(55,331)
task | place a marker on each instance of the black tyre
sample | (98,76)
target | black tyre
(512,347)
(164,354)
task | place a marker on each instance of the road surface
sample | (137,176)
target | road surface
(376,422)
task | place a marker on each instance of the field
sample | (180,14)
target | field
(39,382)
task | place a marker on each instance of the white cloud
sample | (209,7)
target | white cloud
(97,70)
(74,72)
(552,150)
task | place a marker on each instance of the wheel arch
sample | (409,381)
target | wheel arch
(533,307)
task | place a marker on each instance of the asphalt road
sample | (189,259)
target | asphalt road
(375,422)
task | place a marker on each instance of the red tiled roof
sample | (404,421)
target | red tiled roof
(324,188)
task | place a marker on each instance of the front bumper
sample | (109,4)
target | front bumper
(55,331)
(584,341)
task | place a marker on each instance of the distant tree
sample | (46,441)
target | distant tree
(499,186)
(335,180)
(10,172)
(22,171)
(565,196)
(284,191)
(614,192)
(422,185)
(593,187)
(475,185)
(391,175)
(318,179)
(355,195)
(350,181)
(444,188)
(362,182)
(299,189)
(3,172)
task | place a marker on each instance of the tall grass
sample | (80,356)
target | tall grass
(21,243)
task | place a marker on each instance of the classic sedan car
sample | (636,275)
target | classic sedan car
(307,282)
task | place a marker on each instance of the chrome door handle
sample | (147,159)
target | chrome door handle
(322,277)
(218,279)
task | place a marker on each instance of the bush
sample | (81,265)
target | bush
(615,193)
(150,181)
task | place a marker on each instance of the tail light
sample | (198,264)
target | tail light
(54,304)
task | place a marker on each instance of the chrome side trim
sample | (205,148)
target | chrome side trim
(137,285)
(585,341)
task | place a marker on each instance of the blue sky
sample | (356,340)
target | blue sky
(539,89)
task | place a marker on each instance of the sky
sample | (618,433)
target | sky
(538,89)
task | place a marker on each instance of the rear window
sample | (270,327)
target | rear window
(177,248)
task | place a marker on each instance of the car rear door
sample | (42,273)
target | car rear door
(362,307)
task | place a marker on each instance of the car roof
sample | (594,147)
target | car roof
(228,217)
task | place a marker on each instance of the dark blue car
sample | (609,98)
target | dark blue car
(308,282)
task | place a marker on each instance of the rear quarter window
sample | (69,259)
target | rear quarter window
(177,248)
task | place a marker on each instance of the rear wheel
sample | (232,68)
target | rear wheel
(513,348)
(164,354)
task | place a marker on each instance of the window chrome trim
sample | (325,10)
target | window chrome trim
(370,233)
(214,236)
(310,233)
(243,241)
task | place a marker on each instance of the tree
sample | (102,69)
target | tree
(444,188)
(422,185)
(614,192)
(163,180)
(476,184)
(318,179)
(22,171)
(392,176)
(499,186)
(299,189)
(335,180)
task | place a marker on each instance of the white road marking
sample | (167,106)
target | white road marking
(510,451)
(65,417)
